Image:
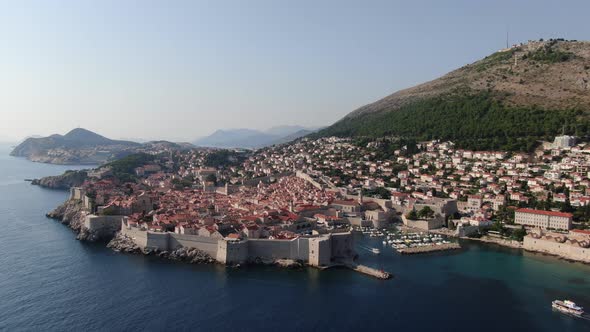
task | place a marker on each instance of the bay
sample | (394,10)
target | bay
(49,281)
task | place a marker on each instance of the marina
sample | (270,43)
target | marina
(406,242)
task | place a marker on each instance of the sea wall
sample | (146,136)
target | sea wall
(165,241)
(103,224)
(206,244)
(297,249)
(320,251)
(138,236)
(564,250)
(99,228)
(316,251)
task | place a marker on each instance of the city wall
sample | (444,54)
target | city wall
(103,225)
(564,250)
(317,251)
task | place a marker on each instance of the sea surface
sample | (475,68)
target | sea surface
(49,281)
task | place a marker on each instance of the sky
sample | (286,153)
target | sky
(179,70)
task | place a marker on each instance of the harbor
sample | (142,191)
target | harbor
(409,242)
(363,269)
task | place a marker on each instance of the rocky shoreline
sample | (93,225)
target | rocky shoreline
(427,249)
(124,244)
(62,182)
(501,242)
(72,214)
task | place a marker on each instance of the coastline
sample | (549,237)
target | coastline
(73,214)
(501,242)
(512,244)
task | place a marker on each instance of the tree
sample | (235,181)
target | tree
(518,234)
(497,226)
(412,215)
(426,213)
(567,207)
(211,178)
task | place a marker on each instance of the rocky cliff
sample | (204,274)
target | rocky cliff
(122,243)
(73,214)
(65,181)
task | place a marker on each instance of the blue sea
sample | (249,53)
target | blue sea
(49,281)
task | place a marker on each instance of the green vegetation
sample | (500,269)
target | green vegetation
(426,213)
(518,234)
(185,182)
(211,178)
(412,215)
(472,121)
(548,54)
(378,192)
(124,169)
(224,158)
(495,59)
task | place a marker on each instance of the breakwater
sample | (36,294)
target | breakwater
(430,248)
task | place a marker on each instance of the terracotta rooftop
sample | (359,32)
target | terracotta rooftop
(546,213)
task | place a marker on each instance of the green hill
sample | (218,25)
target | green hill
(508,100)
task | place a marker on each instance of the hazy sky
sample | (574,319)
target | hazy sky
(181,69)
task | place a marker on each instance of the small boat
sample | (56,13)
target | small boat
(567,307)
(376,251)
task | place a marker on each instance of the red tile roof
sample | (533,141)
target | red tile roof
(546,213)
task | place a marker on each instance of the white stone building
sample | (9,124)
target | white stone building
(543,219)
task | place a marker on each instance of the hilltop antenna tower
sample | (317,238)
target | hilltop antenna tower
(507,33)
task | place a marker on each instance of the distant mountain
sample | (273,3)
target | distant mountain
(253,139)
(509,100)
(163,145)
(283,131)
(294,136)
(79,146)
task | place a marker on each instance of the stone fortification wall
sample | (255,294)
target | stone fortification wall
(342,245)
(76,193)
(232,252)
(97,228)
(297,249)
(108,224)
(206,244)
(317,251)
(265,179)
(385,204)
(137,235)
(158,240)
(170,241)
(423,224)
(564,250)
(320,249)
(309,179)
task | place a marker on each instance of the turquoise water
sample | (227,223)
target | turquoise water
(50,281)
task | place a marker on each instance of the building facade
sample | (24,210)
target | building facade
(543,219)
